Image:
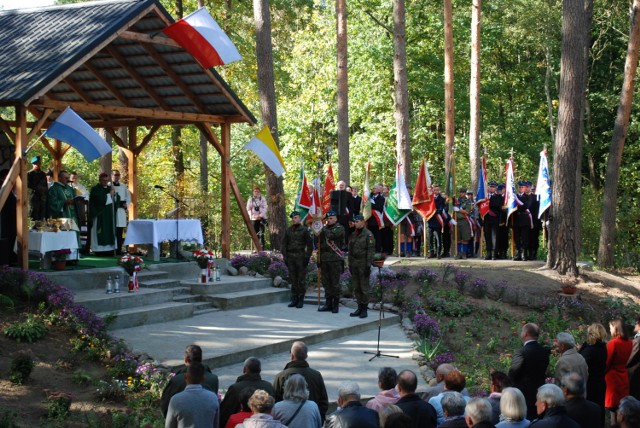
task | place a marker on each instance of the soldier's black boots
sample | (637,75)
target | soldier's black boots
(336,304)
(356,313)
(363,311)
(300,302)
(328,306)
(294,302)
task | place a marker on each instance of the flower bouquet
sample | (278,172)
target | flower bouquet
(60,255)
(133,265)
(204,258)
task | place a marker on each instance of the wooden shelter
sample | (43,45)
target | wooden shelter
(111,63)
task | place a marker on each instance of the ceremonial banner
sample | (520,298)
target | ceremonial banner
(423,200)
(329,186)
(73,130)
(398,204)
(543,188)
(482,197)
(201,36)
(365,205)
(511,199)
(265,147)
(303,197)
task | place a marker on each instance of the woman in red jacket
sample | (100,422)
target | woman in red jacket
(616,377)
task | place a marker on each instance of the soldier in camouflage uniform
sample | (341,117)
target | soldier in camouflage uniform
(296,250)
(362,246)
(331,264)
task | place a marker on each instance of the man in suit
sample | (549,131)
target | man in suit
(422,414)
(586,413)
(491,221)
(529,366)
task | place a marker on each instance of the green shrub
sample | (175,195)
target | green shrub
(29,330)
(259,263)
(8,418)
(21,367)
(58,405)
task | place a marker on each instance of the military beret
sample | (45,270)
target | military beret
(500,186)
(463,190)
(358,217)
(36,159)
(293,214)
(469,192)
(522,183)
(331,213)
(492,184)
(529,183)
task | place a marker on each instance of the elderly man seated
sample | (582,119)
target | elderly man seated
(551,410)
(453,404)
(478,413)
(629,413)
(351,412)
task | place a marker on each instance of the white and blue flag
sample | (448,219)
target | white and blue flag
(73,130)
(543,187)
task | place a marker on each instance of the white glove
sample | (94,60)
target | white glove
(456,209)
(453,222)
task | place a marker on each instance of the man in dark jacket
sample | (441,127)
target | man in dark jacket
(351,412)
(478,413)
(250,378)
(491,221)
(586,413)
(529,366)
(422,413)
(296,252)
(299,365)
(633,365)
(331,242)
(551,410)
(192,354)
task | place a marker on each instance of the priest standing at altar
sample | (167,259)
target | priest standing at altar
(102,217)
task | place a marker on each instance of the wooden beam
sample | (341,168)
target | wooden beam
(145,38)
(80,107)
(9,182)
(4,125)
(148,138)
(35,130)
(22,225)
(225,206)
(132,161)
(107,84)
(116,138)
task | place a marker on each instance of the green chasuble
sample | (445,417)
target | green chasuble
(102,215)
(57,202)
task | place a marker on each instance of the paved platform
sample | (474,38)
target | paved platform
(336,341)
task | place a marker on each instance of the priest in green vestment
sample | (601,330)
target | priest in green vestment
(60,200)
(102,217)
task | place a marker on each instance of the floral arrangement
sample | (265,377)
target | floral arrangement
(61,254)
(203,257)
(131,263)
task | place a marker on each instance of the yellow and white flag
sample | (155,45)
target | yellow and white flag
(265,147)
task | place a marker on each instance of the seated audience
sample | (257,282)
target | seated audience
(551,410)
(351,413)
(478,413)
(513,409)
(244,412)
(296,410)
(629,413)
(499,381)
(422,413)
(453,404)
(453,381)
(586,413)
(261,404)
(387,378)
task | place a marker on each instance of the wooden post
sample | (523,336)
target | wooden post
(22,225)
(132,166)
(225,232)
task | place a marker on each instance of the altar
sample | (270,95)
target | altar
(153,232)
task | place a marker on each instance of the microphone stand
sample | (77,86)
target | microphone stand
(379,354)
(177,210)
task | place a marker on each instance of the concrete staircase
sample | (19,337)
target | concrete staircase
(168,292)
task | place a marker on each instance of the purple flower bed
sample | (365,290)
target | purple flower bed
(427,327)
(278,268)
(239,260)
(425,275)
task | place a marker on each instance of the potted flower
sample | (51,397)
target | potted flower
(132,265)
(378,260)
(204,259)
(59,258)
(568,286)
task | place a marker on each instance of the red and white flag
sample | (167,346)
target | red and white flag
(202,37)
(329,186)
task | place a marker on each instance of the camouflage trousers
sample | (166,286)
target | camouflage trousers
(297,275)
(360,281)
(331,278)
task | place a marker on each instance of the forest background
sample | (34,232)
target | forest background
(520,71)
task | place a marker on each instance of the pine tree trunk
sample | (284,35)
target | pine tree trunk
(343,92)
(563,245)
(264,56)
(401,93)
(449,103)
(608,222)
(474,94)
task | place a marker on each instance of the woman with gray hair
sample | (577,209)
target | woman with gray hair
(513,409)
(261,404)
(296,410)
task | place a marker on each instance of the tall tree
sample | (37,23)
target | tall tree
(563,245)
(401,92)
(343,92)
(608,222)
(474,94)
(267,92)
(449,102)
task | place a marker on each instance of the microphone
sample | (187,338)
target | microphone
(157,186)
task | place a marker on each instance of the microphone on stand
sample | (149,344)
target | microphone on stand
(157,186)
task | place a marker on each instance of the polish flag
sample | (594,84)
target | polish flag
(202,37)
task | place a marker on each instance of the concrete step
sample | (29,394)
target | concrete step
(249,298)
(150,314)
(228,284)
(149,275)
(229,337)
(99,301)
(161,283)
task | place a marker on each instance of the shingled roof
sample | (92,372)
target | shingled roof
(110,54)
